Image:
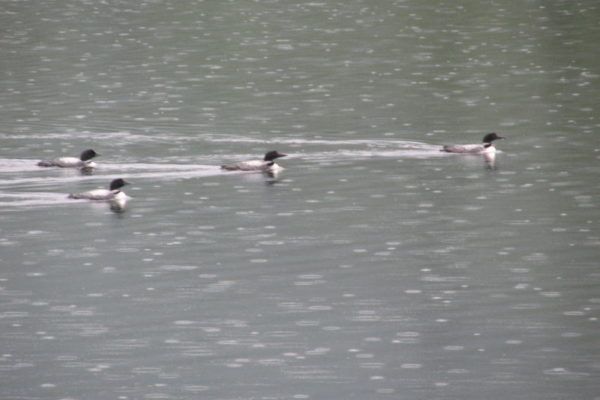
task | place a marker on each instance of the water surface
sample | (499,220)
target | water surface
(373,267)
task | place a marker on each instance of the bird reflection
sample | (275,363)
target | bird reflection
(87,170)
(273,177)
(269,177)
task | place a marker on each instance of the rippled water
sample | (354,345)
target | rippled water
(374,266)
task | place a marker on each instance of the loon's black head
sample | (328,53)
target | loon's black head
(88,155)
(271,155)
(118,184)
(490,137)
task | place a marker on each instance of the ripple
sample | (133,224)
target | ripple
(195,388)
(185,322)
(177,268)
(219,287)
(196,351)
(564,372)
(318,351)
(454,348)
(411,366)
(271,362)
(574,313)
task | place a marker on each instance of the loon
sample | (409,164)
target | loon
(113,193)
(485,147)
(267,164)
(84,161)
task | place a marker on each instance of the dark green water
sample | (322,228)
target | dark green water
(373,267)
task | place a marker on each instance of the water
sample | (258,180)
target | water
(373,267)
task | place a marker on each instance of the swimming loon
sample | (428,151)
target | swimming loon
(485,147)
(113,193)
(84,161)
(267,164)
